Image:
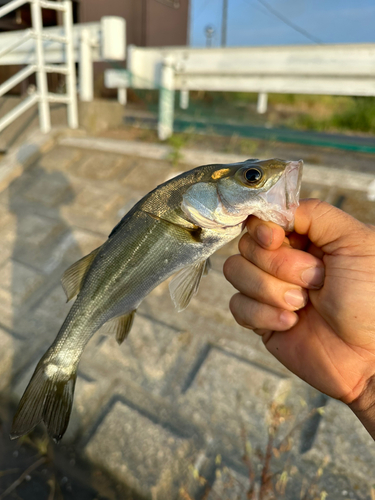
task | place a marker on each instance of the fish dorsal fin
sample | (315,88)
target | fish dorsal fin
(186,283)
(121,326)
(73,277)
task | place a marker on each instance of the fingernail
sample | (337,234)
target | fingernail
(295,298)
(264,235)
(313,276)
(288,319)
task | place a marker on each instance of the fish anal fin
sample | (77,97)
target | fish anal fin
(121,326)
(186,283)
(73,277)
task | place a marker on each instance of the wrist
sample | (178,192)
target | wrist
(364,406)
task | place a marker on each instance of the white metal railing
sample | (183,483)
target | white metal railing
(42,97)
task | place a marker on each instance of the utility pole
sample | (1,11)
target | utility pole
(224,24)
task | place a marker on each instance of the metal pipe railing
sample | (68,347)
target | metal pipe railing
(71,84)
(18,111)
(41,75)
(28,34)
(9,7)
(16,79)
(42,96)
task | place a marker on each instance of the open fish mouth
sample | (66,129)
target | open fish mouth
(283,198)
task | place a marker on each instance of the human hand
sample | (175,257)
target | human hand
(311,297)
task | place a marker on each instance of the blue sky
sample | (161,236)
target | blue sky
(250,23)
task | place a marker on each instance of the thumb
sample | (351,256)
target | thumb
(331,229)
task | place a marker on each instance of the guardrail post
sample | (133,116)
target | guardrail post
(166,100)
(122,95)
(184,99)
(86,76)
(262,102)
(41,76)
(71,84)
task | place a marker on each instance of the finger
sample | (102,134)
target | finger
(285,263)
(331,229)
(298,241)
(252,314)
(262,287)
(267,234)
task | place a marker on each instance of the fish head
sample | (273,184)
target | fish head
(268,189)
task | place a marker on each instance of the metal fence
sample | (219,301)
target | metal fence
(41,96)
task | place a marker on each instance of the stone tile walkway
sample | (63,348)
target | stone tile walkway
(182,409)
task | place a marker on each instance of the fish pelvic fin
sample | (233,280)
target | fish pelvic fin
(121,326)
(73,277)
(185,284)
(47,398)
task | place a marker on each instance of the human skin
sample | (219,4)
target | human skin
(311,297)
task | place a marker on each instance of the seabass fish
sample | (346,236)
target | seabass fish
(173,229)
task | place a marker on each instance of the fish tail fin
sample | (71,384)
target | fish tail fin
(47,398)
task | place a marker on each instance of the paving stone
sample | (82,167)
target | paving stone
(8,346)
(147,174)
(49,189)
(146,358)
(93,209)
(53,309)
(102,167)
(36,231)
(88,402)
(7,238)
(139,451)
(344,440)
(20,281)
(229,485)
(59,157)
(228,393)
(215,293)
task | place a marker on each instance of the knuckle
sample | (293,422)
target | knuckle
(276,264)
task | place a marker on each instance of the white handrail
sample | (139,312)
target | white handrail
(16,79)
(28,34)
(18,110)
(15,4)
(42,96)
(71,84)
(52,5)
(41,75)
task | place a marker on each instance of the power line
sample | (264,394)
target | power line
(285,20)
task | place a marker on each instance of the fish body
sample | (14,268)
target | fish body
(174,229)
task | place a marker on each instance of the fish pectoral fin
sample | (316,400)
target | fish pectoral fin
(176,220)
(207,267)
(186,283)
(121,326)
(73,277)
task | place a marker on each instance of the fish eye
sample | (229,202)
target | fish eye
(253,175)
